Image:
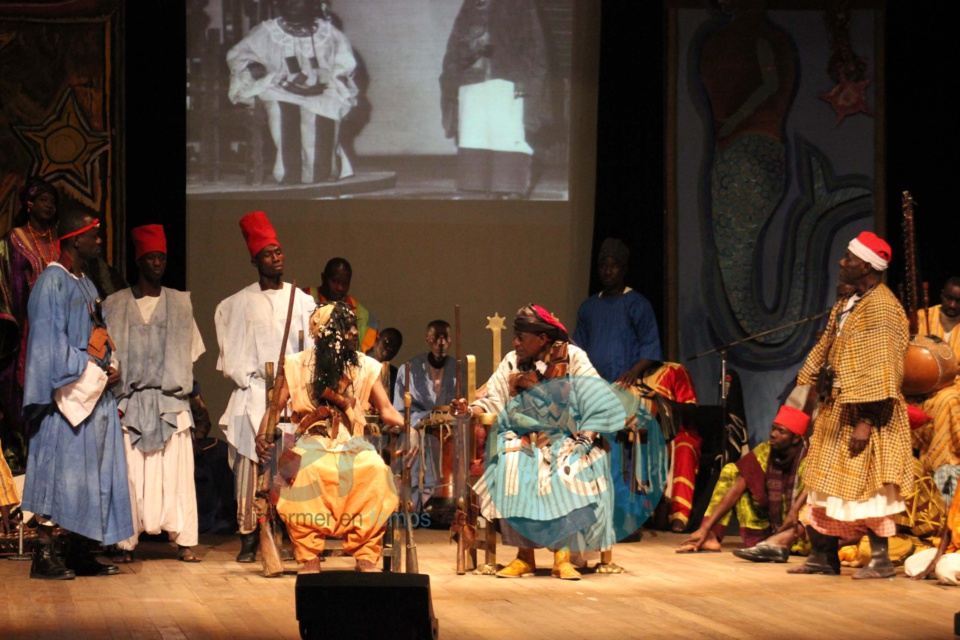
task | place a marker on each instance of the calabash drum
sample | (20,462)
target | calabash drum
(930,366)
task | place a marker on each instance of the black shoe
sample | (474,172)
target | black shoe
(248,547)
(46,564)
(82,561)
(763,553)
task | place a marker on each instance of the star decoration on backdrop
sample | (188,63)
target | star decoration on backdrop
(65,147)
(848,97)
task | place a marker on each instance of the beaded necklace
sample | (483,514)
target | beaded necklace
(48,235)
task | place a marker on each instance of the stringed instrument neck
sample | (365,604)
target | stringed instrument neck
(910,264)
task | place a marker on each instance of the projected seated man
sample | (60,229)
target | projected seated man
(765,487)
(493,97)
(333,482)
(301,68)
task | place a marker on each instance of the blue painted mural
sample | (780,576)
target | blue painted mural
(772,181)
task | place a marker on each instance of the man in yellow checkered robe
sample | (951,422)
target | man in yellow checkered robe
(859,464)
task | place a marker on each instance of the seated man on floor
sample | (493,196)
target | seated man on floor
(333,482)
(766,488)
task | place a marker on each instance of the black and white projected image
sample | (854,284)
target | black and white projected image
(412,99)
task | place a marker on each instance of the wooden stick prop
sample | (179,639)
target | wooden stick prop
(266,514)
(406,497)
(461,491)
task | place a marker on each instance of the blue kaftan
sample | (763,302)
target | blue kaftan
(76,476)
(617,332)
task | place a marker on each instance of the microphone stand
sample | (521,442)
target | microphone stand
(723,349)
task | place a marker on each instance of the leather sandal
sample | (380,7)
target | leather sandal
(185,554)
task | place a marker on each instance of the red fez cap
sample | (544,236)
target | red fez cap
(917,417)
(792,419)
(258,232)
(147,239)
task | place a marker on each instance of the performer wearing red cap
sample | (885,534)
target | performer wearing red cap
(859,464)
(765,486)
(249,330)
(76,473)
(541,353)
(157,343)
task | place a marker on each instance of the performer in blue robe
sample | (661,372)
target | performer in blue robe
(76,472)
(617,327)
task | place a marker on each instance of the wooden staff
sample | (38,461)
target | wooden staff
(406,498)
(460,488)
(266,515)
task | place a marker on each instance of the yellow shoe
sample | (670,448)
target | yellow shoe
(562,567)
(519,568)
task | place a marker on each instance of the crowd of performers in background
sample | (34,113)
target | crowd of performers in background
(107,431)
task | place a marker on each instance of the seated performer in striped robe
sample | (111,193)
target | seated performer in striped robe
(549,481)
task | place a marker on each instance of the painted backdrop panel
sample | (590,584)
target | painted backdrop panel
(771,182)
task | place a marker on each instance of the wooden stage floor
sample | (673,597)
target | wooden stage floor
(663,595)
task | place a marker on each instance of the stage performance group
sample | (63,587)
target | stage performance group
(100,407)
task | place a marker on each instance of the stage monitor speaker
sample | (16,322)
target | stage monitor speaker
(342,604)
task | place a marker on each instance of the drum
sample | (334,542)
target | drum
(437,431)
(930,365)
